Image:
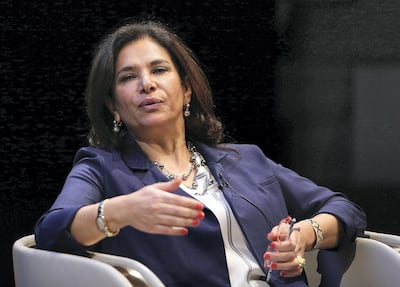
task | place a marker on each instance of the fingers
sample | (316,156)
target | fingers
(169,213)
(173,185)
(273,234)
(174,217)
(284,252)
(168,219)
(156,210)
(176,229)
(289,263)
(168,185)
(293,268)
(280,252)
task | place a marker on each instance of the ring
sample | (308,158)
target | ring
(301,261)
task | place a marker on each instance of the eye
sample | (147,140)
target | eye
(160,70)
(126,78)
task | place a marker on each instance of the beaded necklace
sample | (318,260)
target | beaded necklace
(196,160)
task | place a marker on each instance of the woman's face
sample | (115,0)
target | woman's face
(148,91)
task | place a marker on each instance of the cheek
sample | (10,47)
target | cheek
(177,90)
(123,96)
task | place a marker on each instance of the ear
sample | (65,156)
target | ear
(117,117)
(110,105)
(187,94)
(111,108)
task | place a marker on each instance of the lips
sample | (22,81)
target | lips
(149,102)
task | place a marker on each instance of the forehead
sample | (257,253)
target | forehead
(142,50)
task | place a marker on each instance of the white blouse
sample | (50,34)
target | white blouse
(242,266)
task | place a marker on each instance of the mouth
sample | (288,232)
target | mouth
(149,102)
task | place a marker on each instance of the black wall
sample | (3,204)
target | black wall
(46,48)
(337,92)
(267,65)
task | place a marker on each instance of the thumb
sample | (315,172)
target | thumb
(272,235)
(168,185)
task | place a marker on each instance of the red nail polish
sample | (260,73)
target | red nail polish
(287,219)
(184,231)
(196,221)
(274,265)
(199,206)
(267,256)
(283,273)
(272,245)
(200,215)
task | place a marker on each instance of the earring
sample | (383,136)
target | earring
(116,127)
(186,111)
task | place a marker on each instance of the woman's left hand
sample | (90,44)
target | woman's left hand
(286,251)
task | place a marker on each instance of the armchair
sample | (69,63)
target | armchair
(40,268)
(370,261)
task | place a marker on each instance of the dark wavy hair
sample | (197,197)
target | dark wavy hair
(201,126)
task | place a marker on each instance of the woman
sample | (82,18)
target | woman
(158,185)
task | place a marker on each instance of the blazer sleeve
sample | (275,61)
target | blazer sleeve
(82,187)
(306,199)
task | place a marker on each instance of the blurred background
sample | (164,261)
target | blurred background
(315,83)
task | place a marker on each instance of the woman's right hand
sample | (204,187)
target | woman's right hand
(154,209)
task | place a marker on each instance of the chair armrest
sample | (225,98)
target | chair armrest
(389,239)
(136,272)
(37,268)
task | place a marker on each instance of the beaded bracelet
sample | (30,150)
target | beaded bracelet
(319,234)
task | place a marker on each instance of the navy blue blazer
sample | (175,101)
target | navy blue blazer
(259,191)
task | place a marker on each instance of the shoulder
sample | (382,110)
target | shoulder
(92,154)
(243,148)
(245,151)
(245,155)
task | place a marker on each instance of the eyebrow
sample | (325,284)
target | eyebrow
(133,67)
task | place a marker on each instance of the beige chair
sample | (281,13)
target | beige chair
(371,263)
(388,239)
(374,264)
(40,268)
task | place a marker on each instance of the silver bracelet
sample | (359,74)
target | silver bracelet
(319,234)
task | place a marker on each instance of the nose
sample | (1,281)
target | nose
(148,84)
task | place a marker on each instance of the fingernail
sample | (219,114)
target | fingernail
(199,206)
(267,256)
(200,215)
(274,266)
(272,245)
(287,219)
(283,273)
(196,221)
(184,231)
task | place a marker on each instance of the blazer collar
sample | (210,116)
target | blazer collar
(135,158)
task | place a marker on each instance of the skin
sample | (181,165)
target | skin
(149,94)
(300,241)
(149,97)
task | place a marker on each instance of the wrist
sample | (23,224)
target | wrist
(318,233)
(307,234)
(102,223)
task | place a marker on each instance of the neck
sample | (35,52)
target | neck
(189,173)
(174,150)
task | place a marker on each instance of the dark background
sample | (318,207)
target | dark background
(285,76)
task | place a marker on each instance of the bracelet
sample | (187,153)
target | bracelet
(319,234)
(102,223)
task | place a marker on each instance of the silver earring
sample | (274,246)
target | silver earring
(186,111)
(117,126)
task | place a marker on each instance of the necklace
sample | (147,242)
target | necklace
(195,162)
